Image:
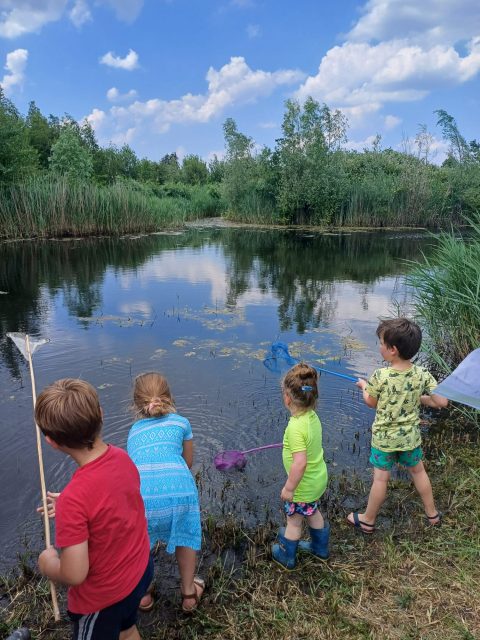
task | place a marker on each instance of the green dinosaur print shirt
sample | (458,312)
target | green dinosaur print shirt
(397,423)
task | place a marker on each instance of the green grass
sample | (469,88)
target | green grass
(406,581)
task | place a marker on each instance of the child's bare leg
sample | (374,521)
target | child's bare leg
(293,529)
(377,496)
(316,520)
(423,486)
(187,562)
(130,634)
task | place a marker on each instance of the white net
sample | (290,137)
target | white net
(20,341)
(463,384)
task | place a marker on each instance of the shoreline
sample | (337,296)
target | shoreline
(225,223)
(407,580)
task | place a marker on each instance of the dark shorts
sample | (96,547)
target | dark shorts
(107,623)
(386,459)
(303,508)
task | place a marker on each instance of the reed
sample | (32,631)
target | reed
(447,294)
(45,206)
(446,290)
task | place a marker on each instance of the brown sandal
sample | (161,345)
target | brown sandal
(150,602)
(200,583)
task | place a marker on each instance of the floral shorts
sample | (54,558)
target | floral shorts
(303,508)
(386,459)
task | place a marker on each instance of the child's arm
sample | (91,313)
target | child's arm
(369,401)
(70,567)
(187,452)
(434,401)
(297,470)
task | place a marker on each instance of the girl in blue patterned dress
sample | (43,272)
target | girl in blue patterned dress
(160,444)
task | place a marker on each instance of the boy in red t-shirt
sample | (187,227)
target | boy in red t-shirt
(100,518)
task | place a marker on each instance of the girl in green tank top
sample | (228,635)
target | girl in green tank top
(306,470)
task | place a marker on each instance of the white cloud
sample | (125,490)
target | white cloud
(128,63)
(253,30)
(418,54)
(212,155)
(361,145)
(428,22)
(391,122)
(126,10)
(80,13)
(235,83)
(268,125)
(18,17)
(367,76)
(114,95)
(96,118)
(15,65)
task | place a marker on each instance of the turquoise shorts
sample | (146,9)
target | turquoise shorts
(386,459)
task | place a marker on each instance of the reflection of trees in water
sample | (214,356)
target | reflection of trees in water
(299,268)
(76,269)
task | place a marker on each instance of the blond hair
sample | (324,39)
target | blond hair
(300,383)
(152,396)
(68,411)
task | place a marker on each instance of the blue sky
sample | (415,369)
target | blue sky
(162,75)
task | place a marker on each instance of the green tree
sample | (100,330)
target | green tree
(170,168)
(69,156)
(239,166)
(40,134)
(18,159)
(216,169)
(194,170)
(459,149)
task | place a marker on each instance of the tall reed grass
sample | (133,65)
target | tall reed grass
(45,206)
(446,288)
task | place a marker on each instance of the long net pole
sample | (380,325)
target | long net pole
(53,591)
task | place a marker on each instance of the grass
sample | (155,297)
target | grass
(47,207)
(407,581)
(446,290)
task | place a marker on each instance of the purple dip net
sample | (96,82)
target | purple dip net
(226,460)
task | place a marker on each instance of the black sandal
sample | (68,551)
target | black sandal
(430,518)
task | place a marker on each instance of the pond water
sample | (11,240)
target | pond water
(202,306)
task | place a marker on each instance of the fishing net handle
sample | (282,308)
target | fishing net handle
(46,523)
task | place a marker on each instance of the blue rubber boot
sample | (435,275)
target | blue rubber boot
(318,546)
(284,551)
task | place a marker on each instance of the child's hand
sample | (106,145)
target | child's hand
(361,384)
(286,495)
(45,558)
(51,504)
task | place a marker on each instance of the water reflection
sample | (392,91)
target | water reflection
(202,306)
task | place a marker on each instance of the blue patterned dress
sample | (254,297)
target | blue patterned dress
(168,488)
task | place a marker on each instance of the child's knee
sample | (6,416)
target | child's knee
(416,469)
(381,475)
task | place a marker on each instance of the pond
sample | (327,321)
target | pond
(202,306)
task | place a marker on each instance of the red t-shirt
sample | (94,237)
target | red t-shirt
(102,504)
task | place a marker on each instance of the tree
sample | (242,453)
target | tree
(170,167)
(41,135)
(18,159)
(216,169)
(69,156)
(194,170)
(459,149)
